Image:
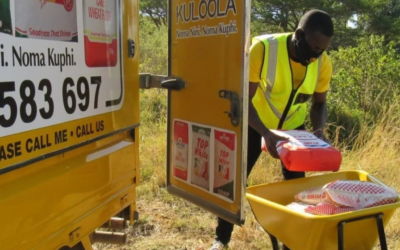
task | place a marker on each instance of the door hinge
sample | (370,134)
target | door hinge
(148,81)
(74,235)
(124,200)
(234,113)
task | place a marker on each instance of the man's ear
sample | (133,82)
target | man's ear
(298,33)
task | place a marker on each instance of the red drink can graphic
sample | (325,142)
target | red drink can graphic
(36,19)
(201,156)
(180,150)
(100,29)
(224,163)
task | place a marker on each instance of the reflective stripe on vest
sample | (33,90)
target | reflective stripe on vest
(269,79)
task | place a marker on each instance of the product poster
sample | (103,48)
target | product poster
(218,32)
(224,164)
(100,29)
(180,150)
(32,20)
(59,62)
(5,17)
(61,76)
(201,156)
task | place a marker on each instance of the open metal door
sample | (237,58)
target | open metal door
(207,104)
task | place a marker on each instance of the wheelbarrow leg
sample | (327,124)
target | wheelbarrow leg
(379,225)
(274,242)
(381,231)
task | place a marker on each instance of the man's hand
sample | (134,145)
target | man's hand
(320,134)
(319,114)
(271,139)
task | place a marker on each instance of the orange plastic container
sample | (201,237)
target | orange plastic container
(305,152)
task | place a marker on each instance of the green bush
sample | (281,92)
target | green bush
(366,77)
(153,47)
(365,81)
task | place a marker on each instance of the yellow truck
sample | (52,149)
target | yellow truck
(69,114)
(70,118)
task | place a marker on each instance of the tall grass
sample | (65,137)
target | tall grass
(363,123)
(169,222)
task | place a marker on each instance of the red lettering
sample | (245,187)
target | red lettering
(100,3)
(100,14)
(202,143)
(224,154)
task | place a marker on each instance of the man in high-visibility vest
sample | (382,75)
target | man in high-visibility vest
(286,70)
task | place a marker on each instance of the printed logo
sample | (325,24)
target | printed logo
(68,5)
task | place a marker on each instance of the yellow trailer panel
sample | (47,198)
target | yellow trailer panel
(69,117)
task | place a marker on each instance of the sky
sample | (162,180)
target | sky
(351,23)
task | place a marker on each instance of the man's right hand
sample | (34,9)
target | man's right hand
(271,139)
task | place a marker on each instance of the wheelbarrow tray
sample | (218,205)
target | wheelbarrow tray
(303,231)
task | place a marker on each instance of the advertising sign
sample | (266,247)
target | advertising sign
(60,68)
(208,48)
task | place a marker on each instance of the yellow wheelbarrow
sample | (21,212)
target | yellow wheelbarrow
(356,230)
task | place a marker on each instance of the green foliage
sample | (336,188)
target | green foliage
(156,10)
(382,18)
(153,106)
(364,83)
(365,78)
(366,75)
(258,27)
(153,47)
(287,14)
(377,17)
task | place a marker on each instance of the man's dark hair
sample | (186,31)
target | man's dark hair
(317,20)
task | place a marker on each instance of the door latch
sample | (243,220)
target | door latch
(234,113)
(148,81)
(131,48)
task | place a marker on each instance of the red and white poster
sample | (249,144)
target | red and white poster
(100,29)
(201,156)
(37,24)
(180,150)
(63,52)
(224,164)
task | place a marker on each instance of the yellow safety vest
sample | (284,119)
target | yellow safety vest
(278,105)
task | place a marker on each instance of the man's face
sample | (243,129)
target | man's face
(310,45)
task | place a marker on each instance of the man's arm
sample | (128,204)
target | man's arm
(319,114)
(256,62)
(255,122)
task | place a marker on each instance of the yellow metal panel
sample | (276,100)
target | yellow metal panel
(208,41)
(45,203)
(80,182)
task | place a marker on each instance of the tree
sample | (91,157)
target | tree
(287,14)
(383,19)
(155,9)
(377,17)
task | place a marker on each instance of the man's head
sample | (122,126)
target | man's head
(313,36)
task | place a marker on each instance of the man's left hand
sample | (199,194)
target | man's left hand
(320,134)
